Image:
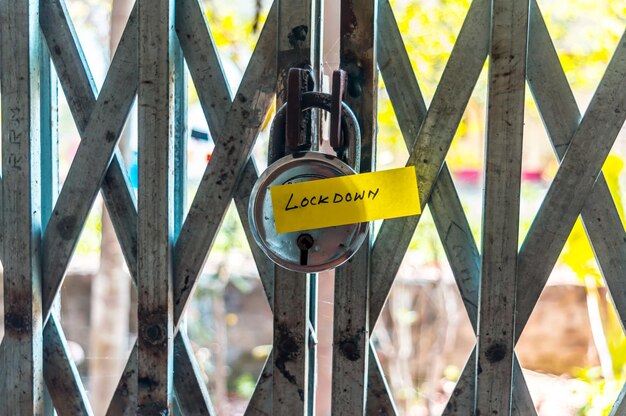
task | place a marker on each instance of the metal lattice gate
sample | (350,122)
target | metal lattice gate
(165,254)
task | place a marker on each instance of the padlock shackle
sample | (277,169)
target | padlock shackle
(349,126)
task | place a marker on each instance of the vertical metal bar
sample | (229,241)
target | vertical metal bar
(312,341)
(180,138)
(180,178)
(155,209)
(316,128)
(505,125)
(351,313)
(49,137)
(292,291)
(291,339)
(432,143)
(49,166)
(20,57)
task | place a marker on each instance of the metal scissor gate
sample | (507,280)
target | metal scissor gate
(165,247)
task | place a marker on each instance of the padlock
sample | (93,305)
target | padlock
(312,250)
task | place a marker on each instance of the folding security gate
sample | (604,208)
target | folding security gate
(165,247)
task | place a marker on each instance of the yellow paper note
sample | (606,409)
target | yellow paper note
(345,200)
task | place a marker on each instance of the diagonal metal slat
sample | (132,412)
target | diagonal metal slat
(452,225)
(619,407)
(80,92)
(124,400)
(68,395)
(69,59)
(215,97)
(411,112)
(100,136)
(601,220)
(428,153)
(258,68)
(462,253)
(561,116)
(204,63)
(379,400)
(260,403)
(114,179)
(188,379)
(67,390)
(573,183)
(217,186)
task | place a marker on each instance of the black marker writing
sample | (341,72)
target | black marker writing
(338,198)
(288,208)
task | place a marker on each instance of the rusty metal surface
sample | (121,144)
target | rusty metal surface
(34,348)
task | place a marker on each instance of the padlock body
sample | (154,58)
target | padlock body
(331,246)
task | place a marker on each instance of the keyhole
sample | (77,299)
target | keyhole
(304,242)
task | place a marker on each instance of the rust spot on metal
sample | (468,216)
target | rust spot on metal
(495,352)
(153,409)
(286,350)
(349,21)
(154,331)
(147,383)
(66,227)
(110,136)
(349,347)
(297,36)
(17,323)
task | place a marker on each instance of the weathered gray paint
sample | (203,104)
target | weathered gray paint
(431,145)
(21,221)
(573,183)
(155,207)
(359,383)
(49,163)
(217,186)
(501,198)
(215,98)
(80,93)
(561,117)
(351,328)
(100,124)
(125,394)
(291,298)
